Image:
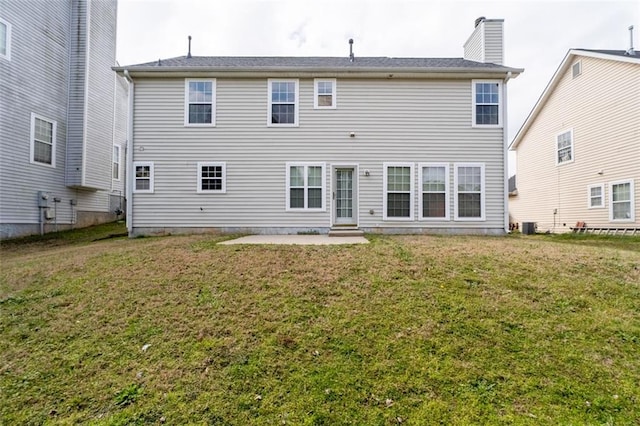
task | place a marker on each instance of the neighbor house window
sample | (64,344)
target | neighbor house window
(143,176)
(434,184)
(305,186)
(576,69)
(487,103)
(469,187)
(324,93)
(212,177)
(115,172)
(564,147)
(5,39)
(596,196)
(43,140)
(200,102)
(398,191)
(283,103)
(621,201)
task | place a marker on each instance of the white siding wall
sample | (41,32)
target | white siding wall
(602,106)
(37,80)
(99,108)
(493,39)
(393,120)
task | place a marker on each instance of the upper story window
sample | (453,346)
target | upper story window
(305,186)
(398,191)
(212,177)
(596,196)
(434,194)
(43,140)
(143,176)
(576,69)
(470,191)
(564,147)
(115,173)
(487,103)
(621,206)
(200,103)
(5,39)
(283,103)
(324,96)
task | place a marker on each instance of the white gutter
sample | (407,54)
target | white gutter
(129,147)
(505,152)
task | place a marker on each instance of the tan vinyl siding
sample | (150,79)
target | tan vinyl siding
(602,106)
(393,121)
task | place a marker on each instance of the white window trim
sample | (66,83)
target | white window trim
(482,192)
(412,192)
(117,178)
(151,177)
(7,55)
(316,94)
(473,105)
(54,131)
(213,102)
(297,103)
(632,201)
(589,204)
(446,192)
(306,186)
(573,152)
(223,190)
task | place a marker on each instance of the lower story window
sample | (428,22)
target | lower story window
(43,141)
(596,196)
(398,193)
(305,186)
(212,177)
(143,177)
(469,187)
(434,182)
(621,205)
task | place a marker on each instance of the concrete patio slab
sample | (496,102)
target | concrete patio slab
(296,239)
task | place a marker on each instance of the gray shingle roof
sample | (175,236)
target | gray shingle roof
(328,63)
(613,52)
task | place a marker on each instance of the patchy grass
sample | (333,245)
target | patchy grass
(408,329)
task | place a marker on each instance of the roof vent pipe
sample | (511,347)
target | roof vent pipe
(480,19)
(189,53)
(631,52)
(351,58)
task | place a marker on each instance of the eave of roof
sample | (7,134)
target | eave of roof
(612,55)
(317,66)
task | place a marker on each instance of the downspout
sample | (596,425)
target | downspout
(505,137)
(129,154)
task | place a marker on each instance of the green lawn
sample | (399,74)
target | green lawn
(408,330)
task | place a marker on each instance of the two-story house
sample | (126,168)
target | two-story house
(62,116)
(315,144)
(578,152)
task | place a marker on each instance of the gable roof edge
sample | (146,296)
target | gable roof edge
(554,82)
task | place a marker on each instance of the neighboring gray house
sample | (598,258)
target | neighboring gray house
(62,116)
(319,144)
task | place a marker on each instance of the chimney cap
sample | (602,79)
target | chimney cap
(480,19)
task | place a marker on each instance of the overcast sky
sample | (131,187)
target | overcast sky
(538,34)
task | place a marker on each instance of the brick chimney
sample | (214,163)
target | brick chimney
(486,42)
